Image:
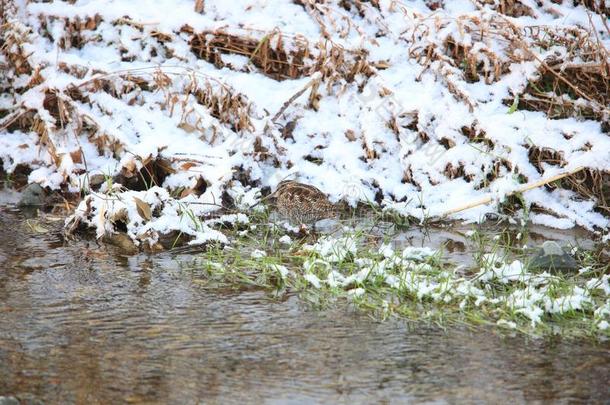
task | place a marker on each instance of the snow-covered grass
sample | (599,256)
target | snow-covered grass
(420,283)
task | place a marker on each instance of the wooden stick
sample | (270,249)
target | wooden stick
(526,187)
(316,77)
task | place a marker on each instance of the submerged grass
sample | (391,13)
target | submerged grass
(366,271)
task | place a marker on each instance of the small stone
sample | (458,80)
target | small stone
(122,241)
(551,257)
(551,248)
(96,180)
(9,401)
(32,196)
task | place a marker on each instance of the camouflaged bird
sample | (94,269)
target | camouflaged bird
(301,203)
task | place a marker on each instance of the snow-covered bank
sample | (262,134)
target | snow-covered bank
(419,106)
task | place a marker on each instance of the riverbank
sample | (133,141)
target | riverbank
(163,127)
(417,108)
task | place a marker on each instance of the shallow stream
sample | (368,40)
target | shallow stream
(81,323)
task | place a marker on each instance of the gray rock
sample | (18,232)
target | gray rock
(552,257)
(32,196)
(122,241)
(29,399)
(9,401)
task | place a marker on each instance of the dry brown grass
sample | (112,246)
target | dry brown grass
(60,108)
(590,184)
(576,84)
(512,8)
(598,6)
(280,56)
(268,53)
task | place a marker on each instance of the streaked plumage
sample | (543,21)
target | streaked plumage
(302,203)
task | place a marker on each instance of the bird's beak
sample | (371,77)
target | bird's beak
(263,199)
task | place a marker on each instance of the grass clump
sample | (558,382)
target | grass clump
(420,283)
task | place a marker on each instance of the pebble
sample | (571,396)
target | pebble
(32,196)
(551,257)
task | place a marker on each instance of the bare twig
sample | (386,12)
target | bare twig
(527,187)
(12,117)
(315,80)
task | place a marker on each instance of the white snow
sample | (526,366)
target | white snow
(391,118)
(286,240)
(501,286)
(334,250)
(313,279)
(258,254)
(395,131)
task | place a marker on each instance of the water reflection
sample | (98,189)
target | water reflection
(81,324)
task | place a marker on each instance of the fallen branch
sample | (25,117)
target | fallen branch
(588,66)
(315,80)
(524,188)
(12,117)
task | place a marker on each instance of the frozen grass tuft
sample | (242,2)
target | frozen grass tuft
(423,284)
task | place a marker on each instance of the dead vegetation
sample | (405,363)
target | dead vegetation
(279,56)
(76,32)
(268,53)
(512,8)
(597,6)
(62,112)
(572,81)
(589,184)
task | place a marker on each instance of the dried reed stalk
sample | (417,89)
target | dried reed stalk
(526,187)
(312,83)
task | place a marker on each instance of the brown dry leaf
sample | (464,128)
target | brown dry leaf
(143,209)
(187,165)
(23,146)
(129,168)
(187,127)
(165,165)
(146,160)
(384,92)
(119,215)
(96,179)
(91,24)
(350,135)
(382,64)
(77,156)
(186,192)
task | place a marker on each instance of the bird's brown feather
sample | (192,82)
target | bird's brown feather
(302,202)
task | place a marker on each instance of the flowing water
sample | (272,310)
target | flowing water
(81,323)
